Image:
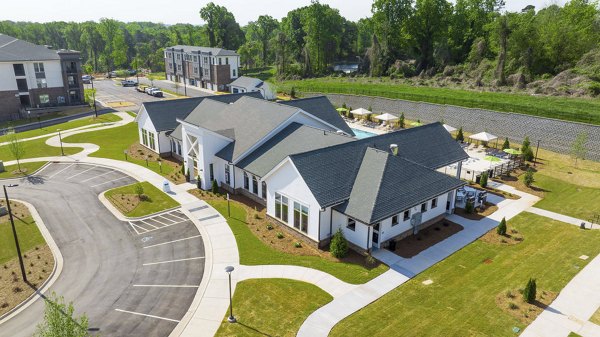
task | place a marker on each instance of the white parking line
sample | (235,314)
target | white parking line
(182,218)
(156,228)
(82,172)
(165,243)
(135,229)
(52,176)
(100,175)
(149,224)
(152,316)
(165,286)
(170,261)
(160,222)
(110,181)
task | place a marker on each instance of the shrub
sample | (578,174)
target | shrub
(528,178)
(199,182)
(269,226)
(528,154)
(344,106)
(298,244)
(401,120)
(483,181)
(215,187)
(338,246)
(469,207)
(506,144)
(370,260)
(530,290)
(501,229)
(459,136)
(513,306)
(279,235)
(293,92)
(256,216)
(370,108)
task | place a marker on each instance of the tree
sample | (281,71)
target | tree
(401,120)
(578,148)
(530,291)
(59,320)
(506,144)
(528,178)
(428,27)
(139,190)
(528,154)
(503,33)
(222,29)
(459,136)
(16,148)
(215,187)
(338,246)
(390,21)
(483,180)
(526,144)
(266,29)
(501,229)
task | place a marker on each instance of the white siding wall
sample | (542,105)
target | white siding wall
(287,182)
(326,229)
(357,236)
(52,70)
(7,77)
(164,142)
(208,144)
(145,123)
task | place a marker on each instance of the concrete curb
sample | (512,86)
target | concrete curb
(29,174)
(121,217)
(56,271)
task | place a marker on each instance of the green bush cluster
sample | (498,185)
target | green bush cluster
(339,245)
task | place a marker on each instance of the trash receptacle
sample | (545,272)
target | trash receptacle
(166,187)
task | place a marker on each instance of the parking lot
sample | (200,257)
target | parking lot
(108,92)
(131,278)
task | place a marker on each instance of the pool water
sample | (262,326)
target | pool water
(360,134)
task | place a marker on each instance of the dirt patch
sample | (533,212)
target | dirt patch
(38,266)
(479,214)
(511,301)
(512,237)
(125,202)
(19,211)
(438,232)
(138,151)
(515,181)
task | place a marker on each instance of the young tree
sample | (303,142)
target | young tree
(15,147)
(501,229)
(401,120)
(506,144)
(578,148)
(530,291)
(483,181)
(528,178)
(338,246)
(59,320)
(215,187)
(459,136)
(139,190)
(526,144)
(528,154)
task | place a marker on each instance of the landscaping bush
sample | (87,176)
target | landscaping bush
(293,93)
(280,235)
(199,182)
(215,187)
(298,244)
(530,290)
(506,144)
(528,178)
(269,226)
(501,229)
(401,120)
(528,154)
(338,246)
(370,260)
(459,136)
(469,207)
(483,181)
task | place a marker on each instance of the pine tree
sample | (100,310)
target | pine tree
(501,229)
(530,290)
(526,144)
(215,187)
(528,178)
(401,120)
(459,136)
(483,181)
(338,246)
(506,144)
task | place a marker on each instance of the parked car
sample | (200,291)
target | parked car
(87,79)
(149,88)
(129,83)
(141,88)
(157,93)
(111,74)
(132,72)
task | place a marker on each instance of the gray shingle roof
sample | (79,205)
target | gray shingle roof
(213,51)
(330,172)
(13,49)
(177,133)
(246,82)
(386,185)
(164,114)
(295,138)
(321,108)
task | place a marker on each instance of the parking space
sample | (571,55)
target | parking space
(107,91)
(160,221)
(96,177)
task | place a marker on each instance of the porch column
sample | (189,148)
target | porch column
(452,200)
(458,169)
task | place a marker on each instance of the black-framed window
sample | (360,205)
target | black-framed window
(211,172)
(424,207)
(246,181)
(254,185)
(395,220)
(407,214)
(227,178)
(351,224)
(434,203)
(19,69)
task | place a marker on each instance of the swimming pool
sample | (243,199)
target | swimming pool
(360,134)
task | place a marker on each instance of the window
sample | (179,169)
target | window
(394,220)
(254,185)
(206,60)
(227,178)
(424,207)
(300,217)
(195,70)
(220,61)
(211,172)
(205,72)
(22,85)
(170,65)
(179,67)
(264,190)
(234,73)
(39,67)
(178,57)
(434,202)
(71,80)
(41,83)
(227,60)
(19,69)
(281,207)
(406,215)
(246,181)
(151,141)
(351,225)
(195,58)
(145,137)
(44,99)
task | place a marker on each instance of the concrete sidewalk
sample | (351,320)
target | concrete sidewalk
(561,217)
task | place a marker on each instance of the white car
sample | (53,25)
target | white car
(150,89)
(157,93)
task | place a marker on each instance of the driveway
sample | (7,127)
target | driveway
(129,282)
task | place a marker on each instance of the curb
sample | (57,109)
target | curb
(29,174)
(122,217)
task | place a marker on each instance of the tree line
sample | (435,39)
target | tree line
(401,38)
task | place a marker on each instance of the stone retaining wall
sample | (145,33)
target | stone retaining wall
(554,135)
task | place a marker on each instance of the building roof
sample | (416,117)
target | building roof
(177,133)
(386,185)
(13,49)
(331,172)
(295,138)
(164,114)
(212,51)
(321,108)
(246,82)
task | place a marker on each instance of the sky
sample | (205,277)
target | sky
(185,11)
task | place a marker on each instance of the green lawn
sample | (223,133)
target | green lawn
(255,252)
(65,126)
(263,73)
(568,199)
(156,201)
(28,233)
(36,148)
(272,307)
(572,334)
(30,168)
(596,317)
(113,142)
(461,301)
(572,109)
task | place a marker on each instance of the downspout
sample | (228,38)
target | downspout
(331,222)
(319,234)
(233,178)
(368,237)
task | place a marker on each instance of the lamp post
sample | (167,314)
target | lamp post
(160,165)
(125,152)
(94,96)
(147,157)
(62,152)
(14,230)
(536,152)
(230,319)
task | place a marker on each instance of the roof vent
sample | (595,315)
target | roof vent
(394,149)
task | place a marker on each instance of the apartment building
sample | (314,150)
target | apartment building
(34,77)
(204,67)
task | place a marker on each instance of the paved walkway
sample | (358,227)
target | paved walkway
(572,309)
(561,217)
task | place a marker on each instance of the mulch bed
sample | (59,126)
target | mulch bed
(514,181)
(19,211)
(38,266)
(138,151)
(489,209)
(512,237)
(511,302)
(125,202)
(436,233)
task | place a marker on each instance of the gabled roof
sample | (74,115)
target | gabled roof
(321,108)
(330,172)
(295,138)
(386,185)
(13,49)
(164,114)
(212,51)
(246,82)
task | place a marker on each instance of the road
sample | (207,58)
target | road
(188,90)
(133,278)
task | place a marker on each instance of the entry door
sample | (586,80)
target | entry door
(376,236)
(415,221)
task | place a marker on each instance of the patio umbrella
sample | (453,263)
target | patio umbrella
(449,128)
(386,117)
(512,151)
(416,123)
(483,136)
(492,159)
(361,112)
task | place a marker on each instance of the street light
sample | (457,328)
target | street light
(125,152)
(160,165)
(536,152)
(12,222)
(62,152)
(94,96)
(230,319)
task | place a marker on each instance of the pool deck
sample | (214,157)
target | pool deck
(361,127)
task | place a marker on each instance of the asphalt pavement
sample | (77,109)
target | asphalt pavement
(134,278)
(108,91)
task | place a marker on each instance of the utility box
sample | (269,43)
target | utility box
(166,187)
(2,169)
